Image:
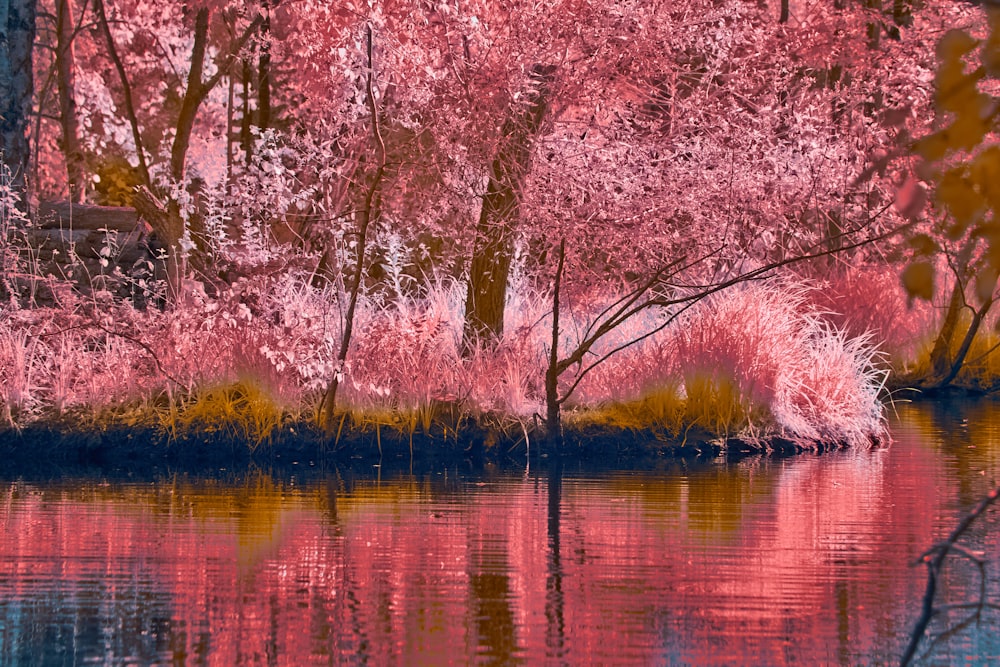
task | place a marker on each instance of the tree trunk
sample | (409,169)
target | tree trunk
(169,228)
(963,349)
(490,267)
(264,70)
(17,37)
(874,26)
(784,12)
(941,353)
(246,121)
(941,360)
(553,418)
(901,14)
(194,95)
(66,85)
(133,119)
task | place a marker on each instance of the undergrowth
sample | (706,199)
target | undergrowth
(754,362)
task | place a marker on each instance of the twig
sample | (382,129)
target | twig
(934,559)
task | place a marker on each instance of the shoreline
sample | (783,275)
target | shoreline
(72,442)
(57,445)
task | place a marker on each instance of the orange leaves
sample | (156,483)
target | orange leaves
(962,166)
(957,193)
(918,280)
(955,44)
(984,172)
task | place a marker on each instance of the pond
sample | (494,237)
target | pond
(801,560)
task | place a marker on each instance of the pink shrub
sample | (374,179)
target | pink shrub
(872,302)
(816,382)
(810,380)
(804,377)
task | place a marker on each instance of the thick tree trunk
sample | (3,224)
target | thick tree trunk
(66,85)
(490,267)
(17,36)
(941,353)
(169,228)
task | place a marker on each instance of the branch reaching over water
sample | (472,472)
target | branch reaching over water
(934,559)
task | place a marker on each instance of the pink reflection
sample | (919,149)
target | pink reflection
(768,562)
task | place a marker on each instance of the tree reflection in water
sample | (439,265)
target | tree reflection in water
(802,560)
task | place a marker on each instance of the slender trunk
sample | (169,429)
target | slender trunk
(784,12)
(940,359)
(553,419)
(874,27)
(66,86)
(963,349)
(264,71)
(194,95)
(196,92)
(490,266)
(367,216)
(246,120)
(901,12)
(230,99)
(17,88)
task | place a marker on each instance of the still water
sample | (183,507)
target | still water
(804,560)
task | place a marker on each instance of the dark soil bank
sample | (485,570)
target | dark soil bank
(127,449)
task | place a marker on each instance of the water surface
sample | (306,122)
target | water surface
(804,560)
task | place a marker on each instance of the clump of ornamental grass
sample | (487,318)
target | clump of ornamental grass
(754,362)
(54,361)
(407,368)
(243,411)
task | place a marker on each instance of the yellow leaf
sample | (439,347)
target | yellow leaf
(968,129)
(955,44)
(984,171)
(955,192)
(933,147)
(918,280)
(923,244)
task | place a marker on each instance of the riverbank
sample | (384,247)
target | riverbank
(137,449)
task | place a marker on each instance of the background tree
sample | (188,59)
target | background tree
(66,27)
(17,37)
(960,163)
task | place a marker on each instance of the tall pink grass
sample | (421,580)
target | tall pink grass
(800,376)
